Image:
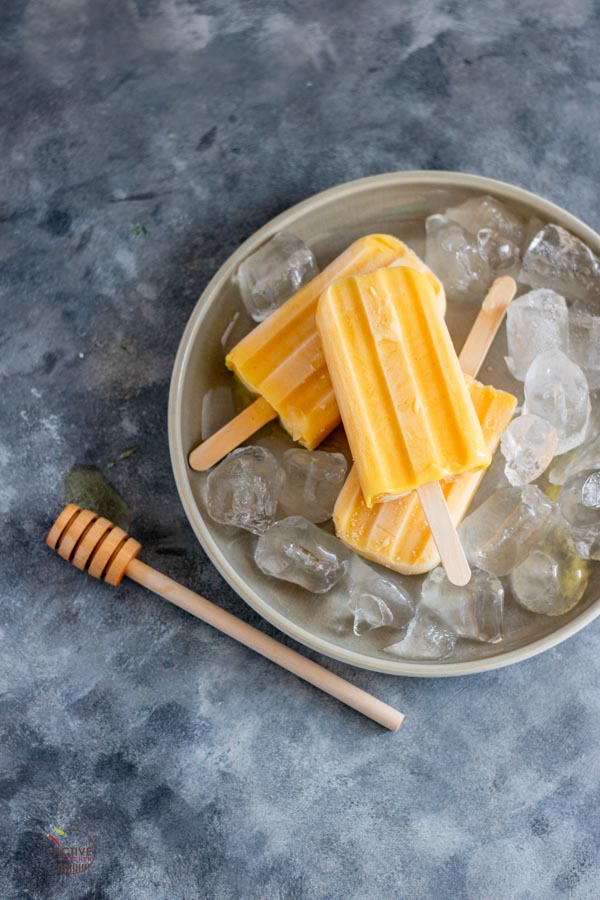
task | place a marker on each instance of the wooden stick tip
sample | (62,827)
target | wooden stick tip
(500,294)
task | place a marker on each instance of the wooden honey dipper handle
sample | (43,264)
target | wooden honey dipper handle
(95,545)
(267,646)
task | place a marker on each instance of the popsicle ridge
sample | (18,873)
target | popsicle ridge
(396,534)
(401,392)
(351,315)
(381,530)
(268,346)
(431,367)
(282,358)
(388,323)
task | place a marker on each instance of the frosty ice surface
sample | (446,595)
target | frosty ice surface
(296,550)
(243,490)
(586,456)
(472,611)
(579,502)
(555,258)
(313,479)
(498,232)
(552,579)
(455,259)
(506,527)
(364,600)
(535,322)
(468,244)
(426,638)
(276,271)
(375,600)
(528,446)
(584,344)
(556,390)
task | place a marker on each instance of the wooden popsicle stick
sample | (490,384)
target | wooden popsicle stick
(471,359)
(486,324)
(230,436)
(443,531)
(111,554)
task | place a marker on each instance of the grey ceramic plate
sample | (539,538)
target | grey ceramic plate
(398,204)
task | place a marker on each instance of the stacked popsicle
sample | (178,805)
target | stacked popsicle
(366,342)
(396,534)
(282,360)
(404,402)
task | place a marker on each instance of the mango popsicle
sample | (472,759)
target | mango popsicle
(396,534)
(404,402)
(282,358)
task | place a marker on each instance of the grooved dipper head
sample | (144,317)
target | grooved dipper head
(92,543)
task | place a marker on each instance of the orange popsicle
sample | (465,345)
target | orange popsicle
(406,408)
(396,534)
(282,359)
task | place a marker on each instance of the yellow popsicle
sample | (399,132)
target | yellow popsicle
(404,402)
(282,358)
(396,534)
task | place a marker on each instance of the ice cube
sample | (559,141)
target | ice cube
(587,544)
(584,343)
(334,611)
(455,259)
(376,601)
(218,409)
(590,492)
(243,490)
(499,233)
(364,600)
(579,499)
(579,502)
(472,611)
(535,322)
(556,390)
(313,479)
(528,445)
(501,532)
(555,258)
(586,456)
(531,229)
(370,612)
(276,271)
(426,638)
(487,212)
(553,578)
(296,550)
(500,253)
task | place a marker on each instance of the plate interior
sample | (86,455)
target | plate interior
(329,223)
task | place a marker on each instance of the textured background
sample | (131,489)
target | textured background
(141,141)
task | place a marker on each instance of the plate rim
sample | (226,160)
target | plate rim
(430,179)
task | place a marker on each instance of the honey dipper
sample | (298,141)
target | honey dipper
(95,545)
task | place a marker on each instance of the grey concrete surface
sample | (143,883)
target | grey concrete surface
(140,142)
